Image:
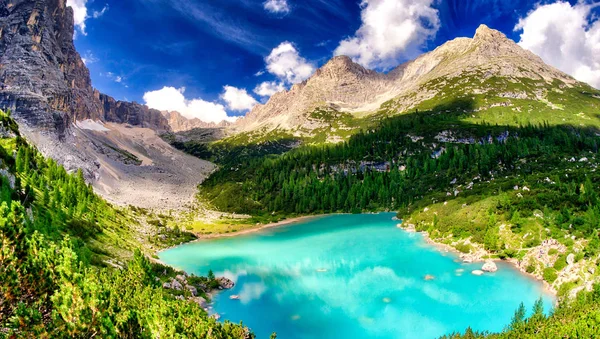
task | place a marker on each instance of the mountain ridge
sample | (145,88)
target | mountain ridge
(349,87)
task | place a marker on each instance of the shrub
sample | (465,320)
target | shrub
(552,251)
(550,274)
(462,247)
(530,268)
(560,263)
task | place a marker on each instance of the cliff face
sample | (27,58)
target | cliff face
(42,77)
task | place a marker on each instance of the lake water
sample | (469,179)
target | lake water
(354,276)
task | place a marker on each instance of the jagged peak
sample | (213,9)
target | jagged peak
(483,32)
(341,64)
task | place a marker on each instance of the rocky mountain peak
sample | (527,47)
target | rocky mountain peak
(340,66)
(484,33)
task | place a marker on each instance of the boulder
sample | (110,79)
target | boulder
(200,301)
(489,266)
(167,285)
(181,278)
(176,285)
(571,259)
(225,283)
(192,290)
(477,272)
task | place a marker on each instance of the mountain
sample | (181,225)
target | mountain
(178,123)
(46,85)
(489,66)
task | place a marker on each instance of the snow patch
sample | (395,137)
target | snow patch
(91,125)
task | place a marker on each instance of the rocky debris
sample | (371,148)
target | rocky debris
(489,266)
(225,283)
(181,278)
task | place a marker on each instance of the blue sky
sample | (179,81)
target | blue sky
(194,48)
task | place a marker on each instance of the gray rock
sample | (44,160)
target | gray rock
(489,266)
(181,278)
(176,285)
(571,259)
(166,285)
(225,283)
(200,301)
(192,290)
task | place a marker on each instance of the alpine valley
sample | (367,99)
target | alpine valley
(479,145)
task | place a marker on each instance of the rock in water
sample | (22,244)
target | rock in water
(489,266)
(225,283)
(477,272)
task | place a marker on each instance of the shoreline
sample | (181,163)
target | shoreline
(479,259)
(263,227)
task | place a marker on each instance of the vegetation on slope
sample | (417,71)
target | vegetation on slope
(57,237)
(508,189)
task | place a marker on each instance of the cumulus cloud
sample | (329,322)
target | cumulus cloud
(79,13)
(238,99)
(173,99)
(286,63)
(389,30)
(268,88)
(565,36)
(277,6)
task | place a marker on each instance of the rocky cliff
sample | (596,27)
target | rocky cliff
(42,77)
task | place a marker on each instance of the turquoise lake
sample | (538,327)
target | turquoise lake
(354,276)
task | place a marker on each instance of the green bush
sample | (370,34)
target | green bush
(552,251)
(463,248)
(560,263)
(530,268)
(550,274)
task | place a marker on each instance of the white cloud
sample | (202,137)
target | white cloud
(172,99)
(286,63)
(238,99)
(79,13)
(277,6)
(112,76)
(268,88)
(88,58)
(390,28)
(100,13)
(566,37)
